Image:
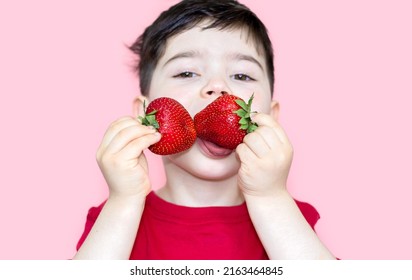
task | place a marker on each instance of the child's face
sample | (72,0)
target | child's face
(200,64)
(199,61)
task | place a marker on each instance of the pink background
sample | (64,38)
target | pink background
(343,78)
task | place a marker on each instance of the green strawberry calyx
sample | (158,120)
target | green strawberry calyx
(149,119)
(244,113)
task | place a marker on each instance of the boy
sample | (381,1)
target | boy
(215,204)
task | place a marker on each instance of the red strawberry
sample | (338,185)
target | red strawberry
(225,121)
(175,124)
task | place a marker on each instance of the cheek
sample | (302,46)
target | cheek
(164,89)
(261,101)
(262,106)
(186,97)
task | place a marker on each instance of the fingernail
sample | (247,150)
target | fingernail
(151,128)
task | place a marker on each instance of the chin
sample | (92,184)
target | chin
(196,163)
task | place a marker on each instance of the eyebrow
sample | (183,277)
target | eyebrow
(236,56)
(188,54)
(240,57)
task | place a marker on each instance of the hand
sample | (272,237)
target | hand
(121,159)
(266,156)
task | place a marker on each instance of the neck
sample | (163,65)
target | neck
(183,188)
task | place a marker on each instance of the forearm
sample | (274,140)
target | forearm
(114,232)
(283,230)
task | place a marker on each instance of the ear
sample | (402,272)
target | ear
(274,109)
(138,105)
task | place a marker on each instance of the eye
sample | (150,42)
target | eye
(243,77)
(186,74)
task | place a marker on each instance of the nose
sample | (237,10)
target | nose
(210,92)
(215,86)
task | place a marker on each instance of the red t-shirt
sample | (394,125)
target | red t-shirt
(172,232)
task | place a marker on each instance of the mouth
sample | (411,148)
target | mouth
(212,150)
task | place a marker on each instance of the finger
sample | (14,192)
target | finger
(266,120)
(257,144)
(127,135)
(136,147)
(269,136)
(114,128)
(245,154)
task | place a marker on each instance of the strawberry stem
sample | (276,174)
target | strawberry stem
(244,112)
(149,119)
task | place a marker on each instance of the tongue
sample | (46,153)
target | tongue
(216,150)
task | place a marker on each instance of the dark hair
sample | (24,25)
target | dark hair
(222,14)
